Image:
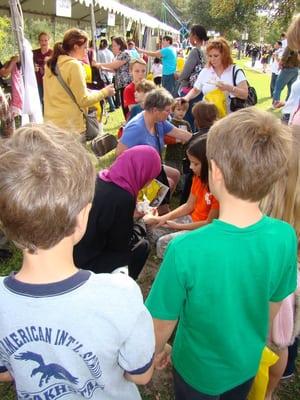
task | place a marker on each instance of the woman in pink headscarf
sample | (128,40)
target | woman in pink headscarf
(106,243)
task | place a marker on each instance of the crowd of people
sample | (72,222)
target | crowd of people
(227,285)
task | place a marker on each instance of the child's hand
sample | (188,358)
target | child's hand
(164,358)
(6,377)
(173,225)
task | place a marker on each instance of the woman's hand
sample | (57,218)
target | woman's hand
(224,87)
(111,90)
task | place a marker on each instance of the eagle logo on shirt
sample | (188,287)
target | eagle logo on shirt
(47,371)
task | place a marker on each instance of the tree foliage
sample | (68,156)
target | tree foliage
(7,45)
(281,11)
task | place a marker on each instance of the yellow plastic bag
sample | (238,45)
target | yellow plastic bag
(260,384)
(179,64)
(218,98)
(88,73)
(150,191)
(150,76)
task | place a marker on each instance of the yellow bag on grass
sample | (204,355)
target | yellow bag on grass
(260,384)
(218,98)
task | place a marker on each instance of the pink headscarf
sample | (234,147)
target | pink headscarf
(133,169)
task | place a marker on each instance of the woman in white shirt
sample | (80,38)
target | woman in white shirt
(219,74)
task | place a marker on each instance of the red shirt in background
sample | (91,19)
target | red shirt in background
(129,99)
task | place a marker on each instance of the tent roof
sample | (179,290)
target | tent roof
(80,11)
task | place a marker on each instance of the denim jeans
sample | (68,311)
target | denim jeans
(111,103)
(287,76)
(272,84)
(168,82)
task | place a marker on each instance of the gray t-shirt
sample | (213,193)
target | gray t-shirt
(74,339)
(194,58)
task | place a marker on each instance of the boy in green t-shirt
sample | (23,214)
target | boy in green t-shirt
(223,283)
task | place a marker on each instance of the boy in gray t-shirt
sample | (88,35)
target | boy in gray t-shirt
(64,333)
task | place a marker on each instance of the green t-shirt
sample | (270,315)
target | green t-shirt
(219,280)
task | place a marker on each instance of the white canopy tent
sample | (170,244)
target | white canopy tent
(81,12)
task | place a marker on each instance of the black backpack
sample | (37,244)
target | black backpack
(97,82)
(235,102)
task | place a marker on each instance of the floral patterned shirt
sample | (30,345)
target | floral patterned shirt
(122,76)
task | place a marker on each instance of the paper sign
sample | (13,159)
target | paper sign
(64,8)
(111,19)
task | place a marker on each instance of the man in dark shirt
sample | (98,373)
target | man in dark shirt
(40,57)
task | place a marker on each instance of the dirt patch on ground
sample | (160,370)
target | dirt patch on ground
(160,387)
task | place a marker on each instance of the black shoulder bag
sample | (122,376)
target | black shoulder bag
(98,82)
(235,102)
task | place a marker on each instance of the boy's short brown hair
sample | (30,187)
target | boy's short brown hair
(251,147)
(181,103)
(46,179)
(136,61)
(145,86)
(205,114)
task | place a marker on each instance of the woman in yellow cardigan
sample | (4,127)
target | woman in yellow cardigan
(60,109)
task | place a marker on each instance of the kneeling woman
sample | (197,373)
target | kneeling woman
(200,209)
(106,243)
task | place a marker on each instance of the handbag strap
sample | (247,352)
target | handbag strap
(200,56)
(157,139)
(67,89)
(235,71)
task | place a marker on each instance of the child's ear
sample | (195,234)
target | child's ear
(81,221)
(216,173)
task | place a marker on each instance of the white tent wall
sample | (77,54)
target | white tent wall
(81,15)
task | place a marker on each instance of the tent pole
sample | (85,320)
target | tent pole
(93,29)
(18,28)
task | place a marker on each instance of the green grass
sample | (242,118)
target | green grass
(160,388)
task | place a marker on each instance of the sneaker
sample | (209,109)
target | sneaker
(278,104)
